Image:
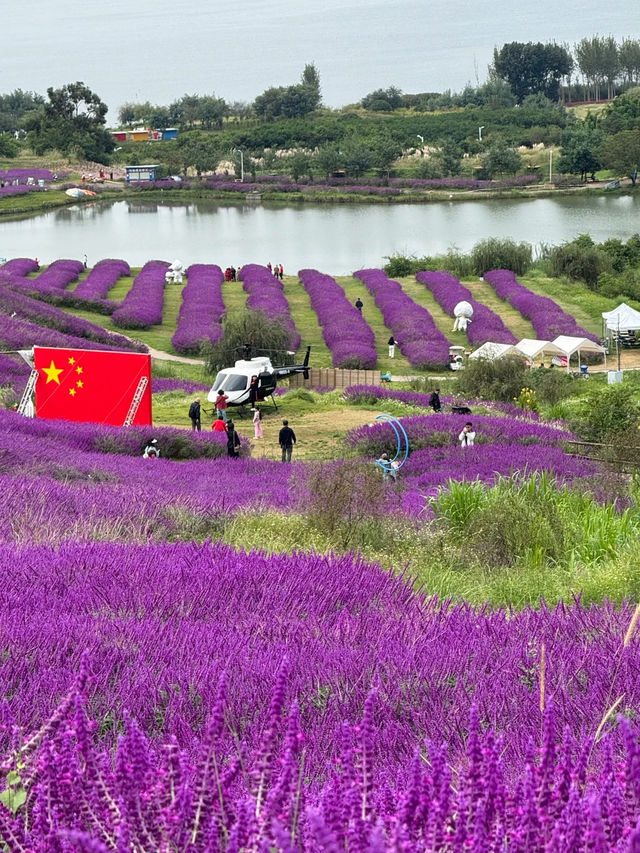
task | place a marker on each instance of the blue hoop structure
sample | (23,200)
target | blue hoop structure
(402,439)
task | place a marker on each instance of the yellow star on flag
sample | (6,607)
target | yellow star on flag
(80,383)
(52,372)
(72,391)
(78,370)
(72,360)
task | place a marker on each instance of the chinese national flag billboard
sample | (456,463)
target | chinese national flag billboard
(91,385)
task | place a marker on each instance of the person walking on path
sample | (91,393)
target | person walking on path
(286,440)
(257,423)
(221,406)
(392,346)
(359,304)
(233,441)
(467,437)
(434,401)
(195,415)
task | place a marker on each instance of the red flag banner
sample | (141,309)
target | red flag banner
(91,385)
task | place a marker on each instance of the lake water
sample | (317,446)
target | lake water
(336,239)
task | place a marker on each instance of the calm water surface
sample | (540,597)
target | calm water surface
(336,239)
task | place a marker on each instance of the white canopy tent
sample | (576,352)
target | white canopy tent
(568,345)
(624,318)
(532,348)
(492,350)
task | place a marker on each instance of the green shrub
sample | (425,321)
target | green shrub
(579,259)
(267,337)
(494,254)
(552,386)
(608,413)
(501,379)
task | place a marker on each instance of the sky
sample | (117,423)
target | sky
(138,50)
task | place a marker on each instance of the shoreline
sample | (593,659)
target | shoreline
(304,197)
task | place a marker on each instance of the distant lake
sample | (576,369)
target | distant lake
(336,239)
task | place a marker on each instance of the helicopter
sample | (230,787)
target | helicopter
(234,381)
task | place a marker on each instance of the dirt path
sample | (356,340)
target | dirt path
(167,356)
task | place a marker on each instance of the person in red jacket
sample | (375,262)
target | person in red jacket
(218,425)
(221,406)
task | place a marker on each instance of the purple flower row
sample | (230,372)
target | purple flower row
(56,277)
(546,316)
(23,175)
(486,325)
(18,306)
(142,306)
(418,337)
(20,189)
(102,278)
(346,333)
(16,333)
(20,267)
(202,309)
(160,385)
(408,183)
(266,294)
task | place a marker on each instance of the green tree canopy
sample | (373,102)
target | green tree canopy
(290,101)
(621,153)
(579,152)
(530,68)
(383,100)
(72,120)
(501,159)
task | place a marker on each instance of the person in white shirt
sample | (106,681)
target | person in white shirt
(467,437)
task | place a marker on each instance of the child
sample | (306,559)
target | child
(467,437)
(257,422)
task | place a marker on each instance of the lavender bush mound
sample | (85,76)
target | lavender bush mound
(202,309)
(54,279)
(14,372)
(442,429)
(266,295)
(102,278)
(19,266)
(302,703)
(19,306)
(419,339)
(142,306)
(486,325)
(346,333)
(546,316)
(370,393)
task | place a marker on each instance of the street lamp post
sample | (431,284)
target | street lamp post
(480,129)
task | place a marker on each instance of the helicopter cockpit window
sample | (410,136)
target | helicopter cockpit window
(220,378)
(236,382)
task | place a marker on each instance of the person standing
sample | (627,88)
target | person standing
(218,425)
(233,441)
(286,440)
(434,401)
(253,392)
(467,437)
(257,423)
(195,415)
(281,271)
(392,346)
(221,406)
(359,304)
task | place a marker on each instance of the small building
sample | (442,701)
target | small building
(140,134)
(119,135)
(170,133)
(141,173)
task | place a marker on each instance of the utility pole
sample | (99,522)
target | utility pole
(550,165)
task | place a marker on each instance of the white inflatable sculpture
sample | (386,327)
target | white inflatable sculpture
(174,273)
(463,312)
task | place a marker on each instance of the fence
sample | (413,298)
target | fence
(624,459)
(335,377)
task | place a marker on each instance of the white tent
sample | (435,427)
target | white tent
(567,345)
(624,318)
(532,348)
(492,350)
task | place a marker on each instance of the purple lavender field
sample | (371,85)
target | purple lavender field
(165,692)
